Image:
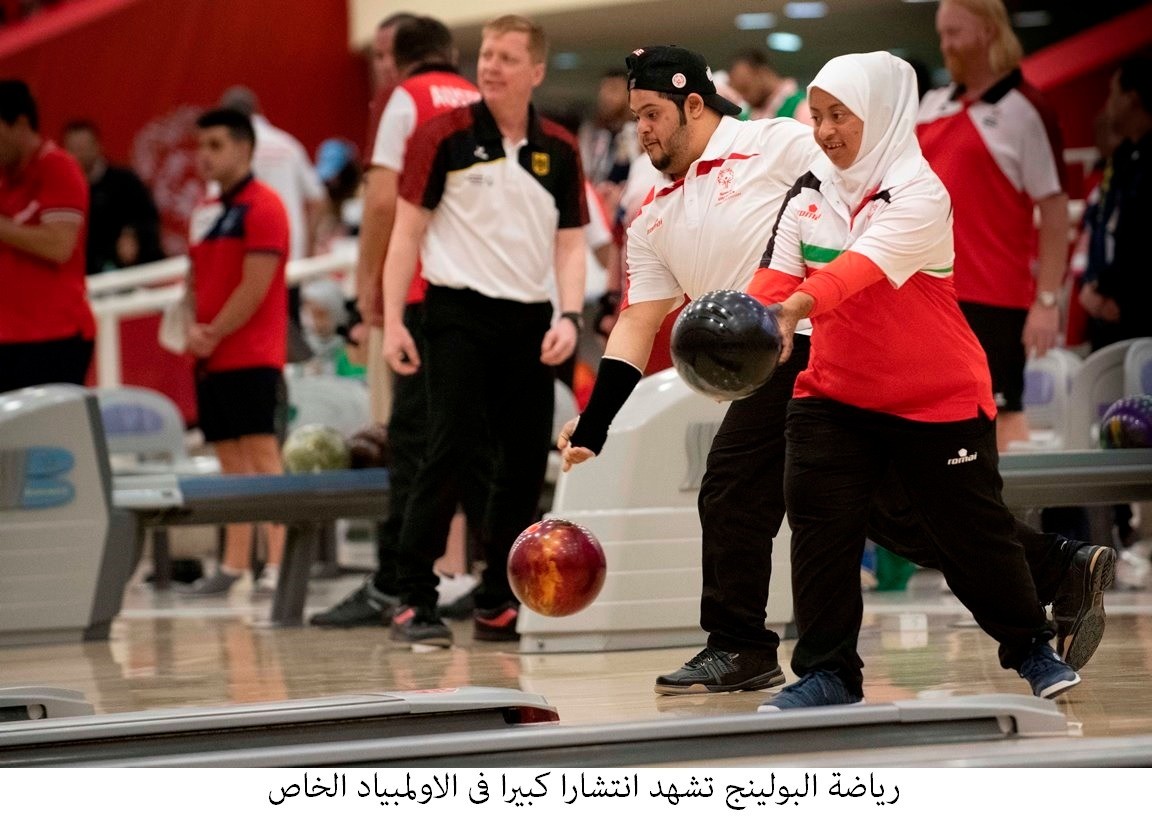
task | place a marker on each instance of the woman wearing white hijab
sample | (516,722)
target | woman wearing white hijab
(897,387)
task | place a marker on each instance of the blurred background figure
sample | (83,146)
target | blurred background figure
(327,321)
(385,76)
(123,223)
(281,162)
(995,142)
(238,250)
(767,93)
(1115,293)
(338,167)
(47,331)
(608,141)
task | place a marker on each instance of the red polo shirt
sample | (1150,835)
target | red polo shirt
(248,219)
(41,300)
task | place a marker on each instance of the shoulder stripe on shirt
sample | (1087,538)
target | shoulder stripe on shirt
(705,166)
(806,181)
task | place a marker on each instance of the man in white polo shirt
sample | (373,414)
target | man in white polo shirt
(491,199)
(707,231)
(703,232)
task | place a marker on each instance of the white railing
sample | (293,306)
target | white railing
(148,289)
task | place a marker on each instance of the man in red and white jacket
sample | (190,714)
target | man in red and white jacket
(424,54)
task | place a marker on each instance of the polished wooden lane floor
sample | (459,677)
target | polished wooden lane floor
(167,651)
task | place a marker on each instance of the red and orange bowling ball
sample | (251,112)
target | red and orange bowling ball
(556,568)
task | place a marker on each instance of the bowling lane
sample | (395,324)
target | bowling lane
(166,652)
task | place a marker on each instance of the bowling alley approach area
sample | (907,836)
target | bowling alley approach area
(935,696)
(100,665)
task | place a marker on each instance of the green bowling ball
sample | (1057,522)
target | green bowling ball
(315,448)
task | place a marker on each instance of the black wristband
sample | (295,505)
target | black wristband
(615,381)
(576,317)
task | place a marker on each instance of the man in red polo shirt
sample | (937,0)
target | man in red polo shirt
(238,249)
(46,326)
(994,142)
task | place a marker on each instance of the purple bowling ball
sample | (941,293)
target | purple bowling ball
(1128,423)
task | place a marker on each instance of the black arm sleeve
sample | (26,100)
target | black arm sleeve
(615,382)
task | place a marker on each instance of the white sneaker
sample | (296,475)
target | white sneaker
(269,579)
(1132,571)
(451,589)
(218,584)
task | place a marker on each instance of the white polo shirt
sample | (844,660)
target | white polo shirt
(496,205)
(708,230)
(280,161)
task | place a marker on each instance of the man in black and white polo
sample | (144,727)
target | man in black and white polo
(491,198)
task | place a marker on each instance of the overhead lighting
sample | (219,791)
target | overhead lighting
(805,11)
(785,42)
(755,20)
(566,61)
(1032,19)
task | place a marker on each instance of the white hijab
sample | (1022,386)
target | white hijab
(881,89)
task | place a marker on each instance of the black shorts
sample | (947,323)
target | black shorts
(236,403)
(1001,332)
(44,362)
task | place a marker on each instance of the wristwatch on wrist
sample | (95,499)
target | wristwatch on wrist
(576,317)
(1048,299)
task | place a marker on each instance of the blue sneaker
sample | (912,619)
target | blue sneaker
(1046,673)
(816,689)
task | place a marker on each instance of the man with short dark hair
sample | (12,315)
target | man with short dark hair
(238,248)
(706,232)
(608,140)
(491,200)
(47,330)
(385,77)
(123,224)
(425,59)
(767,93)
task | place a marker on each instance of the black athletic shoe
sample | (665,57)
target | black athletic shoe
(460,609)
(717,671)
(496,624)
(419,627)
(365,606)
(1078,608)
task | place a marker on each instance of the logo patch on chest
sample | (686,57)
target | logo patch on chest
(726,180)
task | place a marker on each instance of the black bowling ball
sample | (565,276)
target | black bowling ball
(726,345)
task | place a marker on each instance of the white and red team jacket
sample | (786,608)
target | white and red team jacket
(997,156)
(429,92)
(888,334)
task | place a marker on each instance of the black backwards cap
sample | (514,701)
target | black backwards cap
(672,69)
